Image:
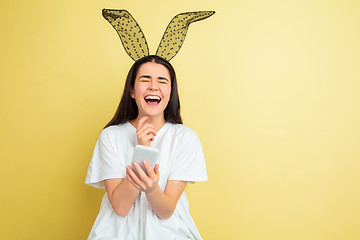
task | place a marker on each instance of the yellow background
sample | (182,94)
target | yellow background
(271,87)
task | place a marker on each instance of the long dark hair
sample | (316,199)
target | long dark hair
(128,110)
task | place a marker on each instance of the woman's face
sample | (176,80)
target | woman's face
(152,88)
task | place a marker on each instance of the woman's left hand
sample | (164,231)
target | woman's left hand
(147,182)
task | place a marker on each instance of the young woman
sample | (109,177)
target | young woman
(153,205)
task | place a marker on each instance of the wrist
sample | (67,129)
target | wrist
(129,184)
(154,190)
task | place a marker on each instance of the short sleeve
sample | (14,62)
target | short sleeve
(189,164)
(105,162)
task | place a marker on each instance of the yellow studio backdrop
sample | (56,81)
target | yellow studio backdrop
(271,87)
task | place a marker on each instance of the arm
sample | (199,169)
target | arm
(122,194)
(162,203)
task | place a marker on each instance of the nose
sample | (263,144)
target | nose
(153,86)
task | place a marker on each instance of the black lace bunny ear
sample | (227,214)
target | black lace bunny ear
(129,31)
(175,32)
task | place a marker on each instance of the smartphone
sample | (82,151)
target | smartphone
(142,153)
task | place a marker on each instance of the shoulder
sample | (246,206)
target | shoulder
(115,128)
(113,131)
(183,132)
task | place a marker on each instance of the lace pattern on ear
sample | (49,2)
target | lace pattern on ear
(175,32)
(132,38)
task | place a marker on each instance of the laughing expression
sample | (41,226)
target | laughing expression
(152,89)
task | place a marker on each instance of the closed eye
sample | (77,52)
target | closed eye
(163,80)
(145,78)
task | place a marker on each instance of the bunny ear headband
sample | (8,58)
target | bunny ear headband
(133,39)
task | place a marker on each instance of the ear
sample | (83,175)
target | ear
(175,33)
(129,31)
(132,93)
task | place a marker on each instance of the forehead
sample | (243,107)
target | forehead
(153,69)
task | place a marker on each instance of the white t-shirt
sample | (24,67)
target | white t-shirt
(180,158)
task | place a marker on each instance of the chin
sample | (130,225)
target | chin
(152,112)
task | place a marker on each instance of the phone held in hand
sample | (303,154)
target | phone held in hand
(142,153)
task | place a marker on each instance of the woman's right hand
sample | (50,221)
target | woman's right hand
(145,132)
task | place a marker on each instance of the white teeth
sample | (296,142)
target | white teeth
(153,97)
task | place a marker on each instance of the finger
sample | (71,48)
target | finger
(144,177)
(148,138)
(156,169)
(142,121)
(144,126)
(146,129)
(132,175)
(135,178)
(146,135)
(149,169)
(128,177)
(140,171)
(134,184)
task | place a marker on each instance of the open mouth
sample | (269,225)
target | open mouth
(152,99)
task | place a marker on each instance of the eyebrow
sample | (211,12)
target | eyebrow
(148,76)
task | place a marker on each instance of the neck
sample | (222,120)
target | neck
(159,121)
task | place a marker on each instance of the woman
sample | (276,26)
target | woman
(153,205)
